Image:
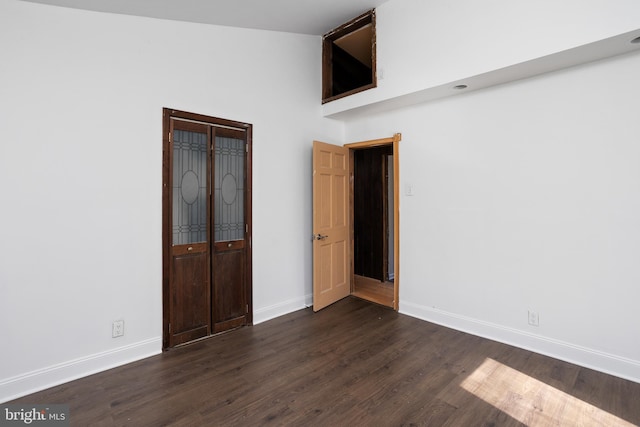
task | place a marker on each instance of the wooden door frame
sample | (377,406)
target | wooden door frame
(167,115)
(395,142)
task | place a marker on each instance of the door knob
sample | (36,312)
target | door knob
(319,237)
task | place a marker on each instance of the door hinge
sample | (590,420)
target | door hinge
(246,228)
(169,327)
(169,137)
(247,310)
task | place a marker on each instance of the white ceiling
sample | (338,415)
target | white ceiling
(315,17)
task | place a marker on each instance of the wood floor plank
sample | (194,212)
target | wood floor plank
(384,369)
(373,290)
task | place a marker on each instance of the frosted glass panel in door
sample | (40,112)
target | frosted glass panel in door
(229,155)
(189,187)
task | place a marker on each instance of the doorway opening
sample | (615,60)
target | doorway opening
(373,269)
(206,222)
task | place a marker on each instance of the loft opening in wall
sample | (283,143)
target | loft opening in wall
(349,58)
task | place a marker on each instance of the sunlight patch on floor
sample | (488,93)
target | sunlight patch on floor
(531,401)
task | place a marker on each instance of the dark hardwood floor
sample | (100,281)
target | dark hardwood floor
(352,364)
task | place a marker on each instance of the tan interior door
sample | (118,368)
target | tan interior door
(331,244)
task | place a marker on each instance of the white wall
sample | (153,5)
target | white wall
(527,197)
(81,97)
(422,45)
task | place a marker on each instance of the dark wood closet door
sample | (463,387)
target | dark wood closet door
(189,270)
(229,200)
(206,203)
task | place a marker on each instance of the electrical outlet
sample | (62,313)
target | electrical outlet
(534,320)
(117,329)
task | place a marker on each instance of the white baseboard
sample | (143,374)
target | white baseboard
(41,379)
(31,382)
(593,359)
(267,313)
